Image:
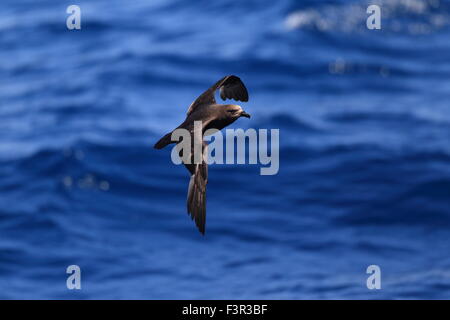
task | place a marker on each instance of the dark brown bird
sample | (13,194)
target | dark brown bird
(212,116)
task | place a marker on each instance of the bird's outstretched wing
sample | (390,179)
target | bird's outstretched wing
(196,198)
(231,87)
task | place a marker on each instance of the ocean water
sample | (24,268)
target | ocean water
(364,173)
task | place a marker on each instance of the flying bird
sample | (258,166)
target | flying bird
(213,116)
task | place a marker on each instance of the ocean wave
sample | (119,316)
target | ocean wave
(412,17)
(364,153)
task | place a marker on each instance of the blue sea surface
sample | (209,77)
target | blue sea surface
(364,179)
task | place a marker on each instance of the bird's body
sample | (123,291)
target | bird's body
(212,116)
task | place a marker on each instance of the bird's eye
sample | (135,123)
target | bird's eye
(231,111)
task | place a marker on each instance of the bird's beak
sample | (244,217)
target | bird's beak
(245,114)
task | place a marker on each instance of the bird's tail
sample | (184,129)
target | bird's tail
(164,141)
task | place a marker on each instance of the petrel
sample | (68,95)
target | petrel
(212,116)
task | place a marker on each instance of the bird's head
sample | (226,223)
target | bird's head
(233,111)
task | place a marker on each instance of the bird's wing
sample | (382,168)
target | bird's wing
(231,87)
(196,198)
